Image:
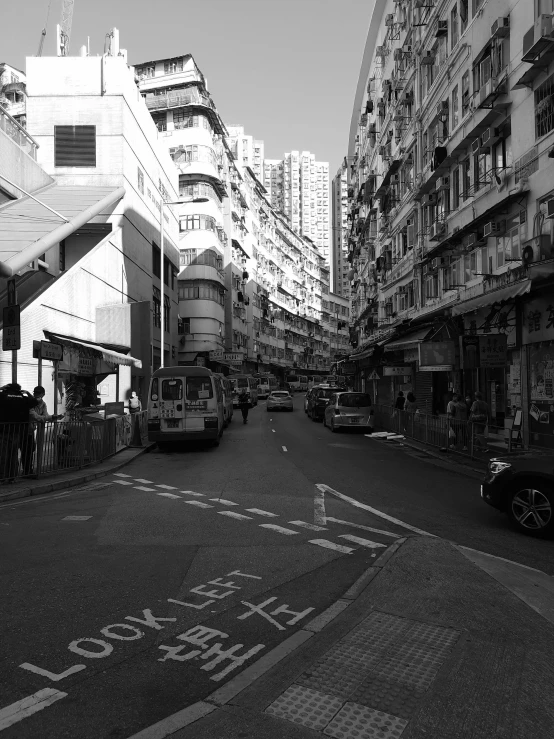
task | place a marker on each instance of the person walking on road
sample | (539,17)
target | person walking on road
(479,418)
(244,405)
(15,405)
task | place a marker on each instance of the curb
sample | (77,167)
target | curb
(51,487)
(236,685)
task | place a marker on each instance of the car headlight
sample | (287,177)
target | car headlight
(496,467)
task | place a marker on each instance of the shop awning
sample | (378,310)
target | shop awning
(28,228)
(409,340)
(110,355)
(366,352)
(496,296)
(187,356)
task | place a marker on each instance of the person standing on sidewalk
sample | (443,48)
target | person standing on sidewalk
(135,406)
(38,416)
(411,403)
(244,405)
(457,416)
(479,418)
(15,405)
(400,401)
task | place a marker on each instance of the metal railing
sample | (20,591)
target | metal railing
(57,446)
(476,440)
(17,133)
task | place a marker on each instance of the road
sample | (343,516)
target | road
(132,597)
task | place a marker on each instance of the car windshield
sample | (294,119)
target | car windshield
(354,400)
(280,395)
(326,392)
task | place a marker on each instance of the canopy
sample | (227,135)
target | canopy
(496,296)
(408,341)
(110,355)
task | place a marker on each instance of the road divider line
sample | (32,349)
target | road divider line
(331,545)
(278,529)
(122,482)
(223,501)
(29,705)
(262,513)
(170,495)
(310,526)
(144,482)
(196,503)
(167,487)
(121,474)
(142,487)
(364,528)
(362,542)
(232,514)
(320,518)
(190,492)
(363,506)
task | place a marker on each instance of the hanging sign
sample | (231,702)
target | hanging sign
(396,371)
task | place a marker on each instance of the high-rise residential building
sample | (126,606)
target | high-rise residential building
(338,262)
(13,91)
(248,151)
(298,186)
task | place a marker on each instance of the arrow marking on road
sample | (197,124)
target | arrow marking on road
(352,501)
(319,507)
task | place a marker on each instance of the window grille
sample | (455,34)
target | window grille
(544,108)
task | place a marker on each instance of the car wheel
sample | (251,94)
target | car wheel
(531,508)
(334,429)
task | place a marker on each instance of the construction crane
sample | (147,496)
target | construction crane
(43,32)
(64,28)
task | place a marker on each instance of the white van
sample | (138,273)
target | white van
(184,404)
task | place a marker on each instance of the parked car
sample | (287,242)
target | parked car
(349,410)
(317,402)
(279,400)
(522,485)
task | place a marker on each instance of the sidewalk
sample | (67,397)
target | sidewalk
(25,487)
(434,647)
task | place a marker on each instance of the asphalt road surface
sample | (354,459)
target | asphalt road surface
(132,597)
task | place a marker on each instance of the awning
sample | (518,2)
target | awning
(28,229)
(496,296)
(187,356)
(409,340)
(366,352)
(110,355)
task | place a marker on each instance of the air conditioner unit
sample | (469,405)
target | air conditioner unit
(437,231)
(395,179)
(407,49)
(494,228)
(428,58)
(441,28)
(435,263)
(429,199)
(442,108)
(475,146)
(500,28)
(443,183)
(537,249)
(489,137)
(472,240)
(389,20)
(550,208)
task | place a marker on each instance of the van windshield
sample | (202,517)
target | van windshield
(172,390)
(354,400)
(199,388)
(241,382)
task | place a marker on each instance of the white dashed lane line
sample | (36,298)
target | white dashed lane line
(362,542)
(27,706)
(167,487)
(262,513)
(145,482)
(190,492)
(238,516)
(121,474)
(223,501)
(123,482)
(310,526)
(196,503)
(278,529)
(142,487)
(170,495)
(331,545)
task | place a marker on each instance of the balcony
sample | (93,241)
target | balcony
(184,98)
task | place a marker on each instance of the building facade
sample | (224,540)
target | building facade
(298,186)
(247,150)
(338,261)
(450,175)
(13,92)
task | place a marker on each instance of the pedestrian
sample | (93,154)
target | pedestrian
(38,416)
(400,401)
(135,406)
(15,405)
(411,403)
(457,415)
(244,405)
(479,417)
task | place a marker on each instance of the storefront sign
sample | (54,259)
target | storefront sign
(396,371)
(216,355)
(47,350)
(434,353)
(235,362)
(437,368)
(85,366)
(200,361)
(347,368)
(411,355)
(538,320)
(493,350)
(233,357)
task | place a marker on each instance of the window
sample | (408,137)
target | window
(544,108)
(200,290)
(157,308)
(183,325)
(465,93)
(160,119)
(464,15)
(197,222)
(167,313)
(454,27)
(75,146)
(140,175)
(172,389)
(62,256)
(466,178)
(198,190)
(199,388)
(173,66)
(207,257)
(455,108)
(156,259)
(456,188)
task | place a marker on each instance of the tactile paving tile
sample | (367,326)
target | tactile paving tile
(304,706)
(390,697)
(416,675)
(354,721)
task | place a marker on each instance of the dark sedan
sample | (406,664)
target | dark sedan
(318,400)
(522,485)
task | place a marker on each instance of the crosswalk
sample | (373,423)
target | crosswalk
(344,543)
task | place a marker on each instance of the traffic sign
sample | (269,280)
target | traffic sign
(12,292)
(374,376)
(11,334)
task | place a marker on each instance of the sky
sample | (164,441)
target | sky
(285,69)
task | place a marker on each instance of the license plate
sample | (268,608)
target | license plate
(354,420)
(172,423)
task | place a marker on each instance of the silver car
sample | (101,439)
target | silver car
(279,400)
(349,410)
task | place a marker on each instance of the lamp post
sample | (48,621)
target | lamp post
(162,265)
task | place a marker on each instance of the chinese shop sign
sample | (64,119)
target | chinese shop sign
(485,351)
(538,320)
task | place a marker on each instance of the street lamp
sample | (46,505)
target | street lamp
(162,265)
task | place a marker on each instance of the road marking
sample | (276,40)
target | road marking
(278,529)
(365,507)
(362,542)
(310,526)
(285,449)
(76,518)
(273,430)
(142,487)
(170,495)
(320,518)
(364,528)
(121,474)
(232,514)
(197,503)
(29,705)
(223,501)
(190,492)
(167,487)
(331,545)
(145,482)
(262,513)
(123,482)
